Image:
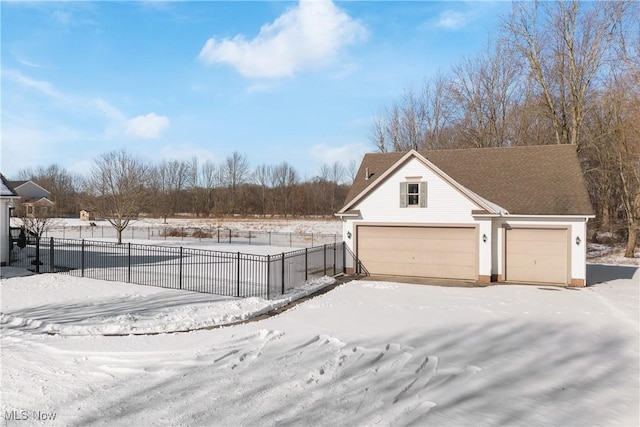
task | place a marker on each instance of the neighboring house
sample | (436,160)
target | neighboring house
(34,200)
(515,214)
(7,198)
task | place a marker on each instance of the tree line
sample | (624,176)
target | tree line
(564,72)
(122,186)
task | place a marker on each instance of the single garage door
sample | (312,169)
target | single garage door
(443,252)
(537,255)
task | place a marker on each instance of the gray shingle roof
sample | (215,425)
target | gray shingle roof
(526,180)
(6,190)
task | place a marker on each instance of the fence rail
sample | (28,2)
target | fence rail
(224,273)
(202,234)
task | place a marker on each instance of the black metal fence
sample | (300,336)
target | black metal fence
(201,234)
(224,273)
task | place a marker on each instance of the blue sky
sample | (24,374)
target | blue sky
(277,81)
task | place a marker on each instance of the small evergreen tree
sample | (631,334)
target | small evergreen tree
(22,239)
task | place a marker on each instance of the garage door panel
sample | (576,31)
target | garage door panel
(532,247)
(537,255)
(446,252)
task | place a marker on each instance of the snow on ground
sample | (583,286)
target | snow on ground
(366,353)
(280,225)
(96,307)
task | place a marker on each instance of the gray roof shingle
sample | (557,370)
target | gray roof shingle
(526,180)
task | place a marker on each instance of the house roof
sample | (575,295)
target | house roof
(6,189)
(38,201)
(17,184)
(525,180)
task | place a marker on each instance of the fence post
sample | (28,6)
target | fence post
(129,262)
(324,254)
(82,259)
(269,238)
(38,254)
(268,276)
(229,236)
(180,270)
(80,231)
(334,259)
(51,256)
(238,276)
(306,264)
(282,292)
(344,257)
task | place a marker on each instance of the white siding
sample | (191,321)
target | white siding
(445,205)
(4,230)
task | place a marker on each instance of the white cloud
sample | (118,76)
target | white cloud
(306,36)
(450,20)
(147,127)
(41,86)
(324,154)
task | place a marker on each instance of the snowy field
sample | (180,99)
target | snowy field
(87,352)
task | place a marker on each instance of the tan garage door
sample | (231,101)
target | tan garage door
(445,252)
(537,256)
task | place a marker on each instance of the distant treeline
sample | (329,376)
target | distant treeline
(207,189)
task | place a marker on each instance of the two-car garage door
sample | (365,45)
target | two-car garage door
(440,252)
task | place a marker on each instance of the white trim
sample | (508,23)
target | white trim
(348,215)
(550,217)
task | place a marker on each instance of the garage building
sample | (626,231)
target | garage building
(512,214)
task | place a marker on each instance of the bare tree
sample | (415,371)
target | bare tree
(565,45)
(438,112)
(170,178)
(38,221)
(211,179)
(62,185)
(485,89)
(192,184)
(262,177)
(236,172)
(117,186)
(418,121)
(285,178)
(351,170)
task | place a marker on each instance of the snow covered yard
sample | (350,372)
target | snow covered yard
(366,353)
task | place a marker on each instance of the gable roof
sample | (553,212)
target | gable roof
(6,189)
(526,180)
(18,184)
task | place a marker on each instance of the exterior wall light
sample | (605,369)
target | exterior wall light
(348,235)
(484,238)
(578,240)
